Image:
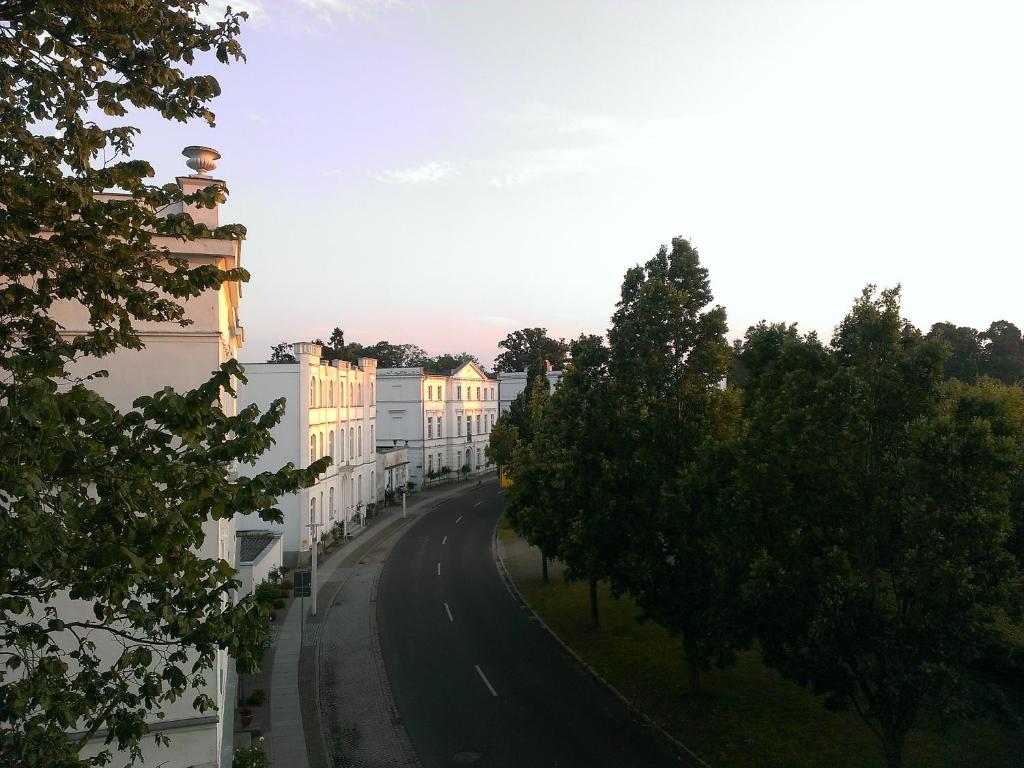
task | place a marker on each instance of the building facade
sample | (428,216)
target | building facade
(445,420)
(512,384)
(182,358)
(392,470)
(330,411)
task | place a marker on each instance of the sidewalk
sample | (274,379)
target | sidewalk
(300,658)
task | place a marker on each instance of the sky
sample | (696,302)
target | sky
(443,173)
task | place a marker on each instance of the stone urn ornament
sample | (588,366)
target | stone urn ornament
(201,159)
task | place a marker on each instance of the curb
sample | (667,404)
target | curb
(639,715)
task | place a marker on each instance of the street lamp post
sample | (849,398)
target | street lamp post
(313,526)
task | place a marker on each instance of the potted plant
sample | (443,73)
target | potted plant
(246,714)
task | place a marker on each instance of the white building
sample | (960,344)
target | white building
(392,469)
(510,385)
(444,419)
(182,358)
(330,411)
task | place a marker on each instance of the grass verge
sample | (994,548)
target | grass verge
(748,716)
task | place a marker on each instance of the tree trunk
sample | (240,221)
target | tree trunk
(694,678)
(692,664)
(893,745)
(593,603)
(544,567)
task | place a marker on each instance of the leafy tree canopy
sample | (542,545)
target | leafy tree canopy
(386,354)
(876,517)
(528,349)
(997,352)
(104,507)
(668,359)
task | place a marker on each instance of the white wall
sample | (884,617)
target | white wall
(255,573)
(410,402)
(345,408)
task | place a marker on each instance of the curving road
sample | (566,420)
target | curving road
(475,681)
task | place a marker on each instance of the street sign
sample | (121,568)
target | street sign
(302,584)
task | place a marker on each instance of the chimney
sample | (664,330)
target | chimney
(201,160)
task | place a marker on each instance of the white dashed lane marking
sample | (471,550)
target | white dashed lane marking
(449,611)
(486,681)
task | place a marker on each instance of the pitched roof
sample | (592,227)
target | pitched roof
(251,544)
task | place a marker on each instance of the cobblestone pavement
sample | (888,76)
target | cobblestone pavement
(360,722)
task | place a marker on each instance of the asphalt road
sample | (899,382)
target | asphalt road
(475,681)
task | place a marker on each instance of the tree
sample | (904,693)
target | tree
(876,501)
(1004,352)
(528,349)
(503,441)
(102,506)
(584,418)
(534,499)
(966,357)
(445,363)
(668,360)
(281,354)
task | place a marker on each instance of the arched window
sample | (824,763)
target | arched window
(330,503)
(373,437)
(312,448)
(359,393)
(312,392)
(351,441)
(360,439)
(330,394)
(351,393)
(330,444)
(321,444)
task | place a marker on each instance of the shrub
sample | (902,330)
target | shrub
(256,698)
(250,757)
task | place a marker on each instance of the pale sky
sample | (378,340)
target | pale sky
(443,173)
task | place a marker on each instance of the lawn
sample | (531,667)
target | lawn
(747,716)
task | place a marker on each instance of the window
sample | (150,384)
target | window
(458,422)
(440,393)
(312,392)
(430,393)
(330,503)
(360,439)
(373,437)
(351,442)
(478,423)
(330,393)
(440,432)
(330,444)
(351,394)
(373,393)
(321,453)
(458,393)
(312,509)
(478,393)
(469,425)
(312,448)
(359,393)
(478,458)
(430,427)
(430,463)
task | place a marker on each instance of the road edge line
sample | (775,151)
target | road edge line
(638,714)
